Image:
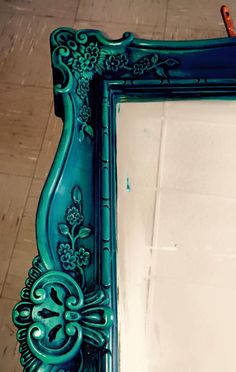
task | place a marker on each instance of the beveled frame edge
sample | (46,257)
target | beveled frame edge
(91,74)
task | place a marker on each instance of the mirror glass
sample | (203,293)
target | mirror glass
(176,209)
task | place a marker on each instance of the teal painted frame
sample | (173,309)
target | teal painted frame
(67,316)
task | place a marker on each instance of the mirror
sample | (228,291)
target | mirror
(161,297)
(176,208)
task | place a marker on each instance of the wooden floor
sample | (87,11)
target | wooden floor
(29,131)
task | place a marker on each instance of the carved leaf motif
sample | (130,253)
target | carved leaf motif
(94,337)
(160,71)
(76,194)
(171,62)
(155,58)
(84,232)
(63,228)
(89,130)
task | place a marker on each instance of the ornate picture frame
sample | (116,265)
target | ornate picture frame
(67,317)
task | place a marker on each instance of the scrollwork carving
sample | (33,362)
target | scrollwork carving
(55,317)
(56,314)
(82,55)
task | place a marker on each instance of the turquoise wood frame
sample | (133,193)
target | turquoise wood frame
(67,317)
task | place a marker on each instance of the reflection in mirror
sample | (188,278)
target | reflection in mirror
(176,206)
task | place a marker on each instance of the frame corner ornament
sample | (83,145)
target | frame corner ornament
(83,55)
(57,314)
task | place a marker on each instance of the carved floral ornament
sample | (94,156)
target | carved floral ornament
(81,56)
(74,256)
(56,314)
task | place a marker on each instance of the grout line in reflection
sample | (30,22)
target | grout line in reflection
(158,178)
(202,194)
(156,205)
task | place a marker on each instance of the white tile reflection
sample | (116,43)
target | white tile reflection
(177,236)
(200,156)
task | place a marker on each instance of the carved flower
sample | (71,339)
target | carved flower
(85,113)
(113,63)
(68,261)
(64,249)
(75,65)
(82,257)
(87,63)
(74,216)
(123,60)
(139,68)
(91,50)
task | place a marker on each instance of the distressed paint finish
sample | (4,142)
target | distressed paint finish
(76,219)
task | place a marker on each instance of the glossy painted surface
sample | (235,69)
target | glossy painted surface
(76,219)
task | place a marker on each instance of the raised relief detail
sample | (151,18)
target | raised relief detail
(81,56)
(73,255)
(56,314)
